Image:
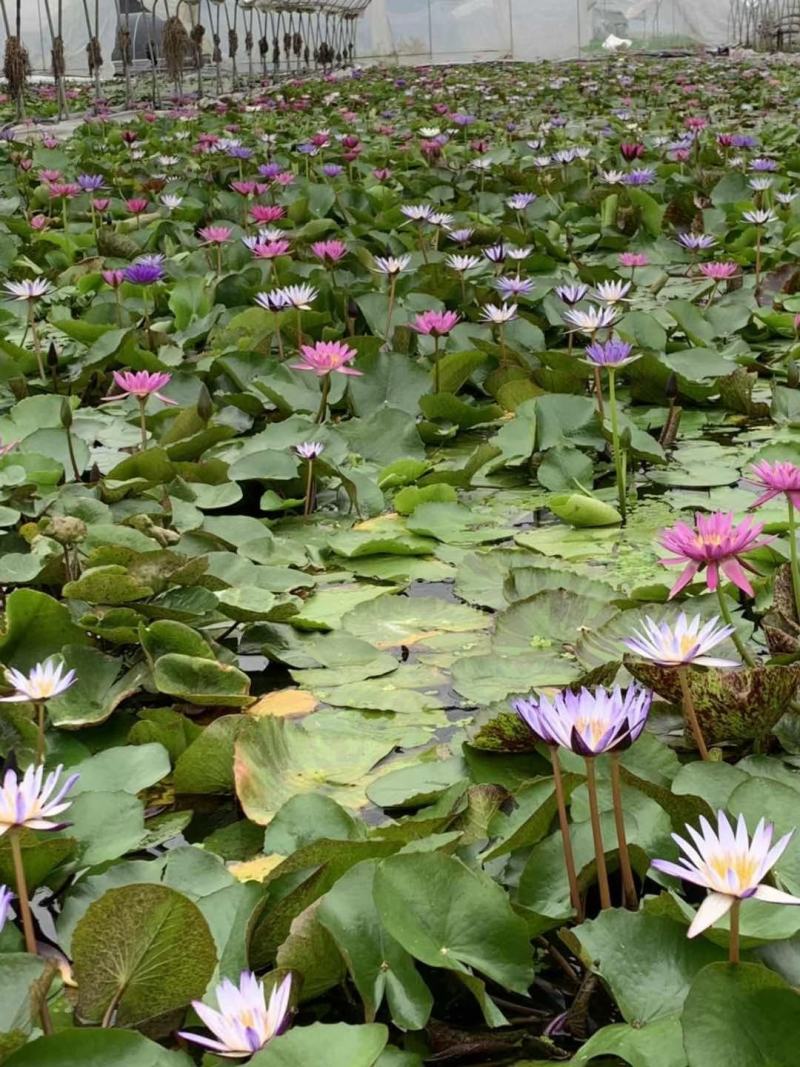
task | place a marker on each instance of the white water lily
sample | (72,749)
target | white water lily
(44,681)
(33,800)
(687,641)
(243,1024)
(728,863)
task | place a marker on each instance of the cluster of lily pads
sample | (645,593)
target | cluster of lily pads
(352,713)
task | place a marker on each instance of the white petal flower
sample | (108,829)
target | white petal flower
(687,641)
(730,864)
(44,681)
(243,1024)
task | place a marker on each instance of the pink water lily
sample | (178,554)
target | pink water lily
(325,357)
(141,384)
(435,323)
(715,544)
(776,479)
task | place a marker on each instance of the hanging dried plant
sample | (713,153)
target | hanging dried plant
(233,44)
(297,44)
(16,67)
(197,35)
(217,54)
(263,47)
(94,55)
(175,43)
(57,57)
(124,45)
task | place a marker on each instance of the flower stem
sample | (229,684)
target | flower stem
(629,895)
(27,920)
(619,459)
(37,348)
(726,615)
(392,288)
(566,840)
(733,944)
(795,565)
(597,834)
(309,489)
(690,712)
(143,422)
(323,406)
(22,893)
(39,709)
(436,379)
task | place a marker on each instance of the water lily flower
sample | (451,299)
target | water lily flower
(30,289)
(435,323)
(463,263)
(760,216)
(696,242)
(325,357)
(309,449)
(215,235)
(44,681)
(633,259)
(684,642)
(391,264)
(33,801)
(764,165)
(630,150)
(461,236)
(270,249)
(266,212)
(145,271)
(295,296)
(572,293)
(273,301)
(643,176)
(171,202)
(498,315)
(610,353)
(331,251)
(588,723)
(513,286)
(613,292)
(719,272)
(596,318)
(775,479)
(113,278)
(90,183)
(136,205)
(520,201)
(141,384)
(243,1024)
(417,212)
(730,864)
(715,544)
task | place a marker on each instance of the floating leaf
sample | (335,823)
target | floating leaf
(139,952)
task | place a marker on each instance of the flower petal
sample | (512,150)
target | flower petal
(713,908)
